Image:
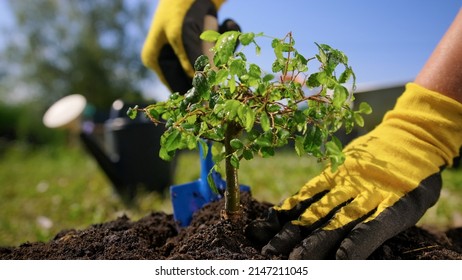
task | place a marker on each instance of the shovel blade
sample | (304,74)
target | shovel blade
(190,197)
(186,200)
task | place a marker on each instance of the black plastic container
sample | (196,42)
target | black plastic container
(129,155)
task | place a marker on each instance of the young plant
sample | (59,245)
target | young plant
(246,112)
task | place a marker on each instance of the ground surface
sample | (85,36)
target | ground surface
(208,237)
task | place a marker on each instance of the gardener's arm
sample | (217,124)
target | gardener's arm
(210,23)
(391,175)
(443,71)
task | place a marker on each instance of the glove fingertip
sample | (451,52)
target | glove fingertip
(360,243)
(260,232)
(344,252)
(229,25)
(284,241)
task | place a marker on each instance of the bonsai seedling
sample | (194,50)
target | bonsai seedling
(246,112)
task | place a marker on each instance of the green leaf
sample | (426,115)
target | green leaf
(189,127)
(231,108)
(254,70)
(265,140)
(153,113)
(358,119)
(204,147)
(232,84)
(278,65)
(191,95)
(299,146)
(237,67)
(257,50)
(221,76)
(268,77)
(246,38)
(252,135)
(244,78)
(335,154)
(172,140)
(241,114)
(313,140)
(345,75)
(249,118)
(313,81)
(267,152)
(340,96)
(210,35)
(273,108)
(365,108)
(234,160)
(322,57)
(132,112)
(201,85)
(276,44)
(166,155)
(236,144)
(211,77)
(246,116)
(201,62)
(211,183)
(287,47)
(323,77)
(301,63)
(247,154)
(224,47)
(265,122)
(191,142)
(218,152)
(334,147)
(241,55)
(283,135)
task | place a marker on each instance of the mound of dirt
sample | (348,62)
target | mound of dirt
(155,236)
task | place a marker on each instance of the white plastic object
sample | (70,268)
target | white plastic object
(65,112)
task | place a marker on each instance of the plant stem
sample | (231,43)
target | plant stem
(232,193)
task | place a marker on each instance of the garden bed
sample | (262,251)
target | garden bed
(155,236)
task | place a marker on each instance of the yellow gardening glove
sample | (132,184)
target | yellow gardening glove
(391,176)
(173,43)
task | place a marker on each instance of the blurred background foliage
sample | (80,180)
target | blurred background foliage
(55,48)
(50,49)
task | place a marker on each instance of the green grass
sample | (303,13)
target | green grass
(448,210)
(45,190)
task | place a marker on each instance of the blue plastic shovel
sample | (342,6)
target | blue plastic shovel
(189,197)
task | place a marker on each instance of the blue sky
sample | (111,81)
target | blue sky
(386,41)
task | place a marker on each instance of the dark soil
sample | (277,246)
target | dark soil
(208,237)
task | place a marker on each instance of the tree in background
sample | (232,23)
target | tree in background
(91,47)
(56,48)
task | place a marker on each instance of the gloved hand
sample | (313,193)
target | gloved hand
(391,176)
(173,43)
(228,25)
